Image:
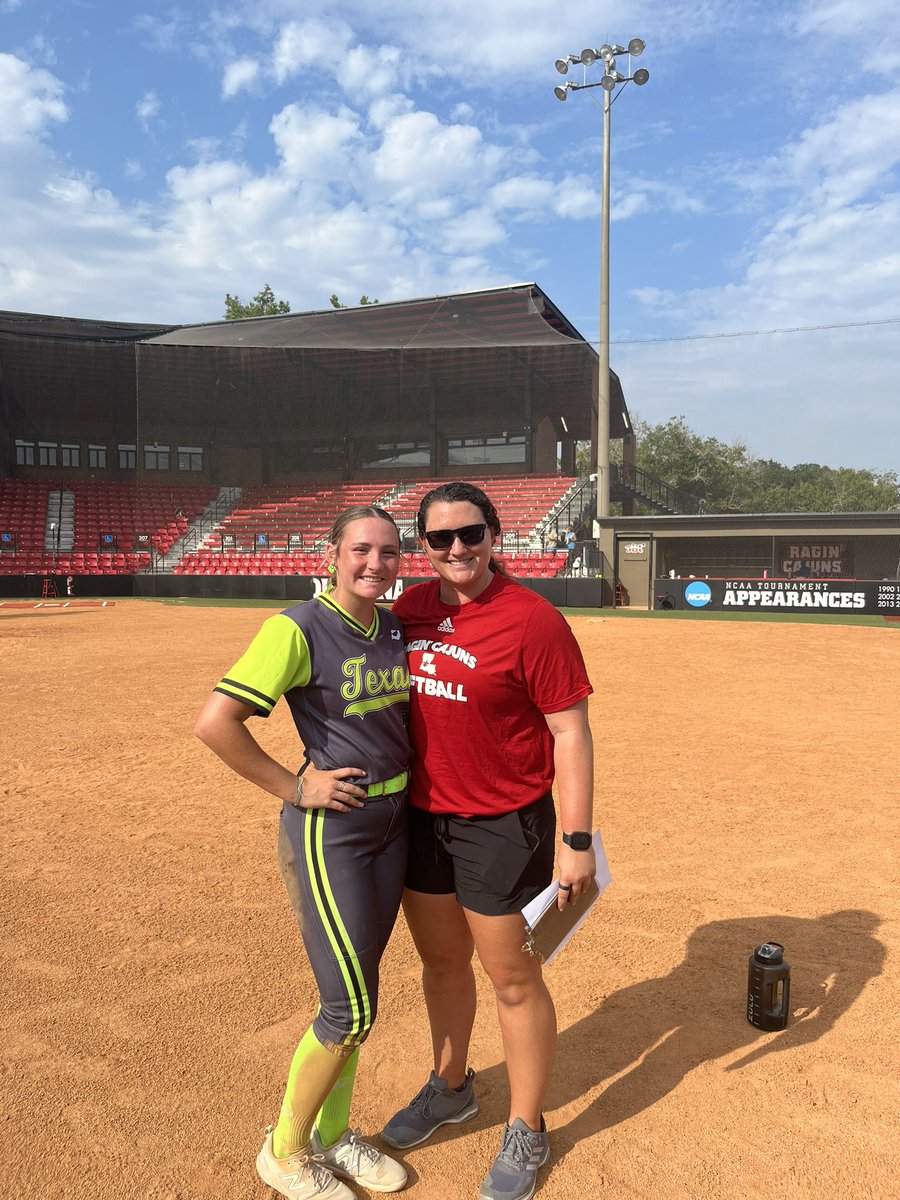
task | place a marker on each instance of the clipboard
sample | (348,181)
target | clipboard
(547,927)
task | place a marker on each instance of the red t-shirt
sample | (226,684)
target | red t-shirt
(482,676)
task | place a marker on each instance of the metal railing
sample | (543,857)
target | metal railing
(656,493)
(576,509)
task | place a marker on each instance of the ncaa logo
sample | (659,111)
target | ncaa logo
(698,594)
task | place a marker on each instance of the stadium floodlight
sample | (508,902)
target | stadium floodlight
(612,83)
(608,52)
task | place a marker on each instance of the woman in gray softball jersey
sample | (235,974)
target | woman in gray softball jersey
(340,663)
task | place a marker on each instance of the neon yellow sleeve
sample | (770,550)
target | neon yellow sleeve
(276,660)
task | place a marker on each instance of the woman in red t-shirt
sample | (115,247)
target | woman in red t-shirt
(498,708)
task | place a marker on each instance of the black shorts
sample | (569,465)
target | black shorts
(494,865)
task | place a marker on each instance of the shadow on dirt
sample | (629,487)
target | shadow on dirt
(647,1037)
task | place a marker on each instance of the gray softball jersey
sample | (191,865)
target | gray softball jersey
(347,686)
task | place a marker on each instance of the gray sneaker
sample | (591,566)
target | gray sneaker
(435,1105)
(513,1175)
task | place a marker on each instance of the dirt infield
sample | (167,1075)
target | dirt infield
(154,986)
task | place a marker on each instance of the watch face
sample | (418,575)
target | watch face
(579,841)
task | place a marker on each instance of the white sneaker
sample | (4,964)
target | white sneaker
(303,1176)
(352,1158)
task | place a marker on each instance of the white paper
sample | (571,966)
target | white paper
(535,909)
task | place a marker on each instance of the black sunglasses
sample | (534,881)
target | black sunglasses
(443,539)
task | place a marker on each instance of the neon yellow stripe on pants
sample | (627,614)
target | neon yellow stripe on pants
(332,923)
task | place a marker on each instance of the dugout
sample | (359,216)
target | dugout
(442,386)
(638,553)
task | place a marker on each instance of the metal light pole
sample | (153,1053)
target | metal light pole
(612,84)
(603,348)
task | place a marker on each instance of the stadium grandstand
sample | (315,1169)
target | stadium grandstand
(172,456)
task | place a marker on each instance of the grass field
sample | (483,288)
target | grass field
(626,614)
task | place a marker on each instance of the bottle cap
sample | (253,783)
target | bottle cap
(769,952)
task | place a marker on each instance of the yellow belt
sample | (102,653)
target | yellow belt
(388,787)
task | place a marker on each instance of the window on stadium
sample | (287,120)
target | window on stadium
(190,458)
(97,458)
(24,453)
(47,454)
(310,455)
(71,456)
(127,457)
(399,454)
(468,452)
(156,458)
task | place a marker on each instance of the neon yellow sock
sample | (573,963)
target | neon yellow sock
(334,1115)
(314,1072)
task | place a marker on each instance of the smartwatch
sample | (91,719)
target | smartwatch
(578,840)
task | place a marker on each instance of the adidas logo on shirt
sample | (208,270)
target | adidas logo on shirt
(446,626)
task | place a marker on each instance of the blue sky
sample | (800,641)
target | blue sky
(153,159)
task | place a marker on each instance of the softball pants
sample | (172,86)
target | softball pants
(344,873)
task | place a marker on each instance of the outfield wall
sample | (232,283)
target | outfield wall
(863,597)
(280,589)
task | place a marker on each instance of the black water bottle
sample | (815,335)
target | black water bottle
(768,987)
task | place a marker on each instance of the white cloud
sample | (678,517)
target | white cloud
(30,100)
(655,298)
(41,49)
(472,232)
(133,169)
(491,42)
(843,18)
(632,205)
(577,197)
(205,182)
(419,156)
(312,43)
(436,210)
(313,144)
(830,247)
(386,108)
(850,153)
(239,74)
(365,71)
(526,194)
(147,108)
(168,35)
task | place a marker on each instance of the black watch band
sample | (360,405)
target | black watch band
(578,840)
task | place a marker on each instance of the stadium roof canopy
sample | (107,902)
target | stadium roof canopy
(483,337)
(477,347)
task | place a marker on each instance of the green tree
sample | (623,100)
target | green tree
(707,469)
(335,302)
(263,304)
(729,478)
(809,487)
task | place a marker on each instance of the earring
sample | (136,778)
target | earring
(330,568)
